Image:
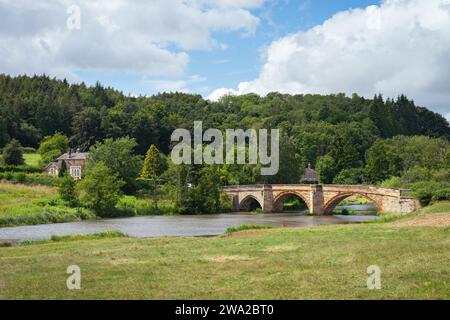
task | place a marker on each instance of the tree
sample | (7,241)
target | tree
(291,164)
(101,186)
(195,189)
(12,153)
(381,116)
(154,166)
(67,190)
(87,126)
(4,137)
(326,167)
(382,162)
(343,151)
(118,156)
(350,176)
(63,170)
(52,147)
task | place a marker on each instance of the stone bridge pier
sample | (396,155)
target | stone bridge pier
(320,199)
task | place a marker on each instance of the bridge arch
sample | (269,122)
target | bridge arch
(249,202)
(282,197)
(333,202)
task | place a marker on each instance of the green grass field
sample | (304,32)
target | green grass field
(322,262)
(32,159)
(27,205)
(37,204)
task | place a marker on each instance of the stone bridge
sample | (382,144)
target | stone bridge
(320,199)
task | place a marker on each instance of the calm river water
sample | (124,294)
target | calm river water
(196,225)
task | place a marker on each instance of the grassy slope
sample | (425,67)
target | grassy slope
(312,263)
(25,204)
(17,199)
(29,205)
(32,159)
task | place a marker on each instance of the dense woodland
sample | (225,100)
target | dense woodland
(34,107)
(348,139)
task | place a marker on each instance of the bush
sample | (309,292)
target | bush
(30,179)
(424,196)
(21,168)
(441,194)
(67,191)
(393,182)
(42,179)
(20,177)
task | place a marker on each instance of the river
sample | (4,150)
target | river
(195,225)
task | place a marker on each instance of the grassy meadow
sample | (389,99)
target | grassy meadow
(32,159)
(22,204)
(323,262)
(35,204)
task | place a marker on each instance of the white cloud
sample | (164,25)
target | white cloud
(400,46)
(148,38)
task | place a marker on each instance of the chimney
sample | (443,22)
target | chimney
(70,152)
(309,165)
(78,150)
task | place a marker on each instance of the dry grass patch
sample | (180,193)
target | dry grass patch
(281,248)
(247,233)
(226,258)
(120,261)
(435,220)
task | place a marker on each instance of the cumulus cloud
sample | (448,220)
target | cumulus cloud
(148,38)
(400,46)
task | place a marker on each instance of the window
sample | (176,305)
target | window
(75,172)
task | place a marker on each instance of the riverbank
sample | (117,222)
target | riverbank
(22,205)
(322,262)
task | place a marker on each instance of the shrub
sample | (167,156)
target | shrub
(393,182)
(441,194)
(42,179)
(21,168)
(20,177)
(424,196)
(30,179)
(67,191)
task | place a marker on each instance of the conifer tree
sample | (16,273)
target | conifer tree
(154,166)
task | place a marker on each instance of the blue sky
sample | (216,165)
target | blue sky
(241,59)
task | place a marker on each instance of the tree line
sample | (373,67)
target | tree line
(348,139)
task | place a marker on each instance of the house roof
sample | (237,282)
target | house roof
(74,156)
(53,164)
(310,174)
